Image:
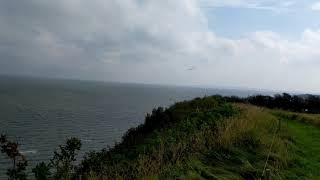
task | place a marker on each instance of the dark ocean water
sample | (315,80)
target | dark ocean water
(40,113)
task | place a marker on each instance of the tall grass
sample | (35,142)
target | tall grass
(209,139)
(313,119)
(252,134)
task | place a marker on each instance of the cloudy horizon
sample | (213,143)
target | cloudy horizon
(263,44)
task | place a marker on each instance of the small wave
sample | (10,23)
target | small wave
(29,152)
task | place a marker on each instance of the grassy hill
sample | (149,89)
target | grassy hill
(205,138)
(209,138)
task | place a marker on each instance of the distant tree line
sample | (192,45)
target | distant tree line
(296,103)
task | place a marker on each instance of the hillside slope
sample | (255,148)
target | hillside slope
(209,138)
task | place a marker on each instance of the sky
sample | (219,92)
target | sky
(256,44)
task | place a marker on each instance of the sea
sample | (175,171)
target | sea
(40,114)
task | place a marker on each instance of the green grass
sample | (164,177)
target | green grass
(211,139)
(305,150)
(295,155)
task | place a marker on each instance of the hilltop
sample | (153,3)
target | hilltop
(205,138)
(210,138)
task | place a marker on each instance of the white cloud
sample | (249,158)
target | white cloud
(315,6)
(152,42)
(266,5)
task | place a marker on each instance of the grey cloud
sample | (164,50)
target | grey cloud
(68,33)
(144,41)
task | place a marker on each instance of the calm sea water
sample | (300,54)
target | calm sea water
(41,114)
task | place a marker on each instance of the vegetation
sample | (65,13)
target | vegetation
(166,139)
(205,138)
(304,150)
(241,145)
(302,103)
(62,163)
(11,149)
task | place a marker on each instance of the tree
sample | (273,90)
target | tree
(61,166)
(42,171)
(11,149)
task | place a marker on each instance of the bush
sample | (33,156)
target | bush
(61,164)
(42,171)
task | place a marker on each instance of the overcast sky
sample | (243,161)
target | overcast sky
(262,44)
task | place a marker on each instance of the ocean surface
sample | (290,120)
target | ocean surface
(41,114)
